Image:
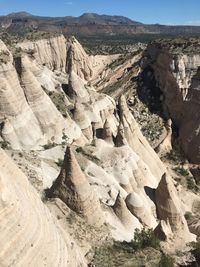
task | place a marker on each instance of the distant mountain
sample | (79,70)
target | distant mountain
(87,24)
(106,19)
(19,14)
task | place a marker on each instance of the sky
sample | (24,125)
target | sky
(146,11)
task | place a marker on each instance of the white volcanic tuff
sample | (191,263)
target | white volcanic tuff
(141,208)
(77,60)
(119,166)
(184,67)
(29,117)
(29,233)
(77,90)
(50,120)
(85,66)
(138,142)
(40,110)
(128,220)
(15,112)
(90,107)
(50,52)
(169,210)
(73,188)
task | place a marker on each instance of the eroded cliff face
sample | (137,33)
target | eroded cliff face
(110,181)
(30,235)
(177,75)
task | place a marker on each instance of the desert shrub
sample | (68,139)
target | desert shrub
(176,154)
(188,215)
(191,184)
(49,145)
(145,238)
(166,261)
(195,250)
(4,144)
(20,154)
(180,170)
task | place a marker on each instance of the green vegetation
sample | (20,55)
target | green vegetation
(177,155)
(166,261)
(188,215)
(4,144)
(99,44)
(145,238)
(181,171)
(182,44)
(142,250)
(88,154)
(191,185)
(49,145)
(4,56)
(59,100)
(195,250)
(20,154)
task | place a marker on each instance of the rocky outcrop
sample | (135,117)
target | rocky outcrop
(137,207)
(73,188)
(137,141)
(19,124)
(107,134)
(83,120)
(169,209)
(128,220)
(77,60)
(28,106)
(30,235)
(85,66)
(112,180)
(50,52)
(176,70)
(120,139)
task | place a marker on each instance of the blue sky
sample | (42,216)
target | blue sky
(147,11)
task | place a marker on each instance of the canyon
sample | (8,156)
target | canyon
(95,148)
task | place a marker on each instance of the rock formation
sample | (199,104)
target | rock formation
(50,52)
(114,182)
(30,235)
(137,141)
(107,134)
(85,66)
(72,188)
(176,71)
(136,206)
(120,139)
(169,209)
(125,216)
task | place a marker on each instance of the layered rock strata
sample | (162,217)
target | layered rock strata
(30,235)
(72,188)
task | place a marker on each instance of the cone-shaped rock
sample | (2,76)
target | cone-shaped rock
(73,188)
(136,206)
(83,121)
(163,230)
(169,210)
(107,134)
(137,141)
(120,139)
(125,216)
(30,235)
(77,90)
(168,204)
